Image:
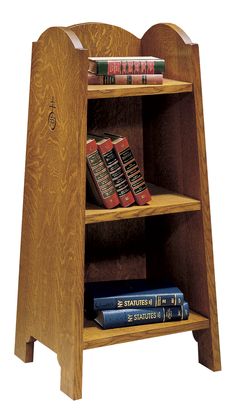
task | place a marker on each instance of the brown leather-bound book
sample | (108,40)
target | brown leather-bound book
(100,183)
(131,169)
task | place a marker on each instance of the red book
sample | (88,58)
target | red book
(100,182)
(105,147)
(125,79)
(130,168)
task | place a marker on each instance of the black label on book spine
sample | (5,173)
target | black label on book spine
(121,185)
(137,183)
(118,172)
(120,180)
(126,155)
(140,189)
(133,171)
(114,167)
(94,158)
(124,191)
(110,157)
(130,166)
(136,177)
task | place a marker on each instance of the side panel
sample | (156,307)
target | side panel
(175,157)
(50,302)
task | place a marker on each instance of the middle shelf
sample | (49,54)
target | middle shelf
(163,202)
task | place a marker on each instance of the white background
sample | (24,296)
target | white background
(159,374)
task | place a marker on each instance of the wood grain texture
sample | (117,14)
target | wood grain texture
(115,250)
(95,336)
(106,40)
(180,165)
(162,202)
(110,91)
(50,303)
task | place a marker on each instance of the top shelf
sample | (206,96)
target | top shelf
(114,91)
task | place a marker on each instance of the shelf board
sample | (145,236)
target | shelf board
(114,91)
(95,336)
(163,202)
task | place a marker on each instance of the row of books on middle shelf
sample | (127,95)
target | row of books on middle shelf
(136,70)
(113,175)
(124,303)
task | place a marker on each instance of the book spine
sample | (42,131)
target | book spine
(138,301)
(123,318)
(129,67)
(132,172)
(116,172)
(100,176)
(125,79)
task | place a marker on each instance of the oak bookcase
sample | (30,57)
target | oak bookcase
(66,242)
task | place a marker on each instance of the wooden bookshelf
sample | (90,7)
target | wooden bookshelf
(114,91)
(95,336)
(169,238)
(163,202)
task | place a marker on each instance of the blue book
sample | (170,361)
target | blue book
(130,294)
(134,316)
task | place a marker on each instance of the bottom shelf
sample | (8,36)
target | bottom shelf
(95,336)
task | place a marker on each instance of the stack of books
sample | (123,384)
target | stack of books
(135,70)
(114,304)
(113,175)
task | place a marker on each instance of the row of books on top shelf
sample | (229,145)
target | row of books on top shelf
(113,175)
(134,70)
(124,303)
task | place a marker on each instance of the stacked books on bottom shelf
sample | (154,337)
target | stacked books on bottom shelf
(126,303)
(126,70)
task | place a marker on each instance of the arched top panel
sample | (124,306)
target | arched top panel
(171,30)
(106,40)
(171,43)
(61,35)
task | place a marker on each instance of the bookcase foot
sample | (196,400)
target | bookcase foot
(25,350)
(208,349)
(71,384)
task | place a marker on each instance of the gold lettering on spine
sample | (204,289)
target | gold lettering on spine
(137,303)
(146,316)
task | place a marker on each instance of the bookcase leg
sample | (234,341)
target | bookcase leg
(208,349)
(24,349)
(71,382)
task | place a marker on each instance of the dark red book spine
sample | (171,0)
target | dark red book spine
(125,79)
(101,176)
(116,172)
(132,171)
